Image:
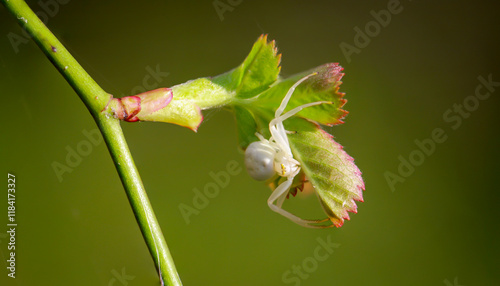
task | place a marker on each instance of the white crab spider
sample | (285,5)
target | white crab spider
(265,158)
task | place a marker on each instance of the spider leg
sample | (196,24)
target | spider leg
(285,100)
(260,136)
(277,194)
(280,190)
(278,132)
(281,199)
(277,120)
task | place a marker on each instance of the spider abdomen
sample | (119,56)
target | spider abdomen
(259,160)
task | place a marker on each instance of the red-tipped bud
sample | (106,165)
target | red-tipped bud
(141,106)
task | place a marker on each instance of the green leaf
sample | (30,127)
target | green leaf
(182,112)
(204,92)
(188,100)
(259,70)
(328,167)
(246,126)
(321,87)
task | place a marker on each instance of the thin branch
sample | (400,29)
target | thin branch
(95,98)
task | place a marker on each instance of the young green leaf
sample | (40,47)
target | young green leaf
(322,87)
(258,71)
(182,112)
(246,126)
(332,172)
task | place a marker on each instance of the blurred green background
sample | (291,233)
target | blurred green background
(438,227)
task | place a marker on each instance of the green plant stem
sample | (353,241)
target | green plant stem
(95,98)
